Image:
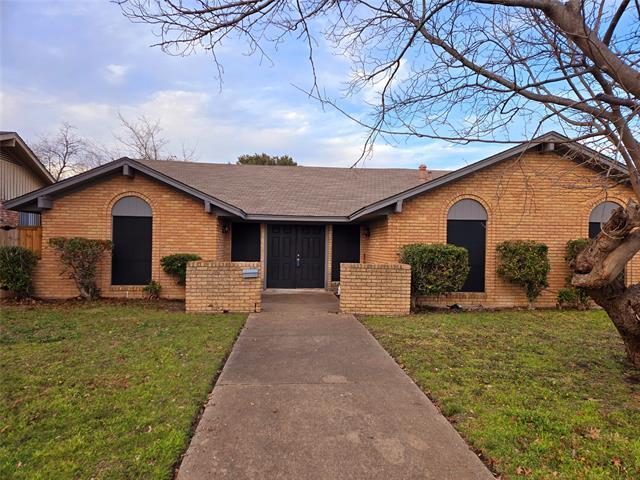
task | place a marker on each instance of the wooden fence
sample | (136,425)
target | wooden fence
(28,237)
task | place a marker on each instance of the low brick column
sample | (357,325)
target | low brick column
(214,286)
(375,289)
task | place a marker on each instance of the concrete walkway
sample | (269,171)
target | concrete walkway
(309,394)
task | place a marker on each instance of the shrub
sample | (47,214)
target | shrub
(176,265)
(435,268)
(574,247)
(524,263)
(152,290)
(80,257)
(573,297)
(16,269)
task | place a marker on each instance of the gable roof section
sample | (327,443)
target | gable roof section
(551,138)
(25,154)
(268,193)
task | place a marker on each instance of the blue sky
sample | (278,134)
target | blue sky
(82,62)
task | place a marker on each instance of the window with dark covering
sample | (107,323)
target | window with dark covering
(467,227)
(599,216)
(345,248)
(245,242)
(132,239)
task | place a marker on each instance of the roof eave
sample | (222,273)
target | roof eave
(297,218)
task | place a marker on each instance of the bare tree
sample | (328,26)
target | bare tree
(463,70)
(144,140)
(66,153)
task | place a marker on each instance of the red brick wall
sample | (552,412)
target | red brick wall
(8,217)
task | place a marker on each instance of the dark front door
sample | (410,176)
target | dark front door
(131,260)
(470,234)
(295,256)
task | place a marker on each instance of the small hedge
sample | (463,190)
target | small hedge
(524,263)
(435,268)
(176,265)
(570,296)
(574,247)
(152,289)
(80,257)
(16,269)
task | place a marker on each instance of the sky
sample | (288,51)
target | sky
(83,62)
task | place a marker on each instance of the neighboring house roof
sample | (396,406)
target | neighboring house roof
(25,154)
(256,192)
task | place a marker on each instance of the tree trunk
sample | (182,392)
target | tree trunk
(622,304)
(599,270)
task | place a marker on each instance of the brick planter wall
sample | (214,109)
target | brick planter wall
(214,286)
(375,289)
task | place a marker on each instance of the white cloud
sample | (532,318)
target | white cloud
(220,127)
(115,74)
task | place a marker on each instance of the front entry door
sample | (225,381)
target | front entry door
(295,256)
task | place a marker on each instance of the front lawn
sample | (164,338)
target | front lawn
(541,394)
(104,390)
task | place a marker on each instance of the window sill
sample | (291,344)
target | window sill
(459,295)
(126,288)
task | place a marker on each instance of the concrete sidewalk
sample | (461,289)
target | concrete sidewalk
(309,394)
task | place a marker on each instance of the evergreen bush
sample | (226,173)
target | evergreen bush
(176,265)
(16,269)
(524,263)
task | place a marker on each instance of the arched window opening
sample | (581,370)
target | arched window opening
(132,224)
(599,216)
(467,227)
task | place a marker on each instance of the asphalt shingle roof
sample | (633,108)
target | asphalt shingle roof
(299,191)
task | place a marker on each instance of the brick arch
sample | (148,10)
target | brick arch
(591,204)
(444,212)
(155,211)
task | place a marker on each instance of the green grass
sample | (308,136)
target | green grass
(540,394)
(104,390)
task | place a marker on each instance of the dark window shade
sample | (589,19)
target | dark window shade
(245,242)
(131,260)
(345,247)
(470,234)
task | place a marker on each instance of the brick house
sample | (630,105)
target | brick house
(300,223)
